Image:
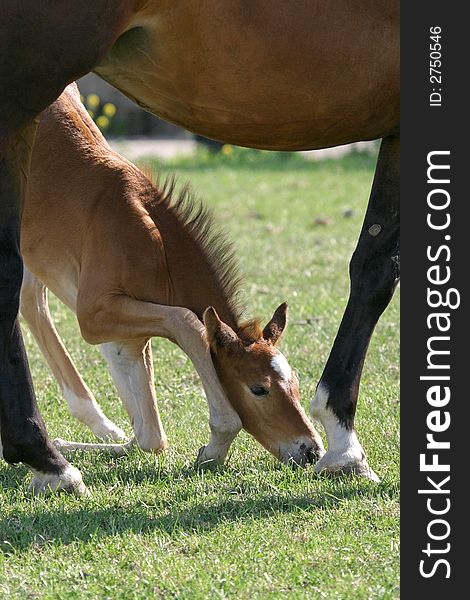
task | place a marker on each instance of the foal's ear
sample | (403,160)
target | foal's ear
(273,330)
(219,334)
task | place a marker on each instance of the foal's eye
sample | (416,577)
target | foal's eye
(258,390)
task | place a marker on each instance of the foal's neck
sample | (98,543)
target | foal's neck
(202,270)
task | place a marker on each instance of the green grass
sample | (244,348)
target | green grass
(155,527)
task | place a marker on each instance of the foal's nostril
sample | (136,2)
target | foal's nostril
(311,455)
(301,452)
(307,454)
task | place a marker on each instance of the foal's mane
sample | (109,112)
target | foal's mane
(250,331)
(197,221)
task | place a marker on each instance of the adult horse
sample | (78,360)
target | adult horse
(266,73)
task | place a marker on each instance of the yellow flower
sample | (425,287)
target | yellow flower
(227,149)
(109,109)
(102,122)
(93,100)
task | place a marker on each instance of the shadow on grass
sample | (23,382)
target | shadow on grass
(65,524)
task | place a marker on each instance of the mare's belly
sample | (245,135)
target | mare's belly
(262,75)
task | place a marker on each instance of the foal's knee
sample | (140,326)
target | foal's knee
(225,426)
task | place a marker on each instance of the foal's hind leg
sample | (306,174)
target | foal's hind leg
(374,272)
(82,405)
(130,365)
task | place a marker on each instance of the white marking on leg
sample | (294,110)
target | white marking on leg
(135,386)
(70,480)
(344,450)
(88,412)
(281,366)
(339,438)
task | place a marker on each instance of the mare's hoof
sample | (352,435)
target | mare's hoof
(334,464)
(69,481)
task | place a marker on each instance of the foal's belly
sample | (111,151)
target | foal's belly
(265,74)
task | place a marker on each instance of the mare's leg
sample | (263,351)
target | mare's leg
(125,318)
(82,405)
(374,272)
(54,50)
(22,429)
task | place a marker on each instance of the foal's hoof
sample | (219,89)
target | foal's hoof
(335,464)
(206,460)
(69,481)
(117,449)
(59,443)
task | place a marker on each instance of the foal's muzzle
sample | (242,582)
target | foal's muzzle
(302,451)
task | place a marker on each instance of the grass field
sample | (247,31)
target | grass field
(156,527)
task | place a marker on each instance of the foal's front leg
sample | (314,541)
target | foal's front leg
(125,318)
(225,424)
(374,274)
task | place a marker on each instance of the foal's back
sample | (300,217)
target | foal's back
(72,219)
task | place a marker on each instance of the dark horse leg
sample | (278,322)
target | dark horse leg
(23,433)
(43,47)
(374,273)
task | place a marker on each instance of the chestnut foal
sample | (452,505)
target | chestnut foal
(133,263)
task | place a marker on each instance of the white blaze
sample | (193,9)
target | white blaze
(281,366)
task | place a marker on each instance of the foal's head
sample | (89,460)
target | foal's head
(262,387)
